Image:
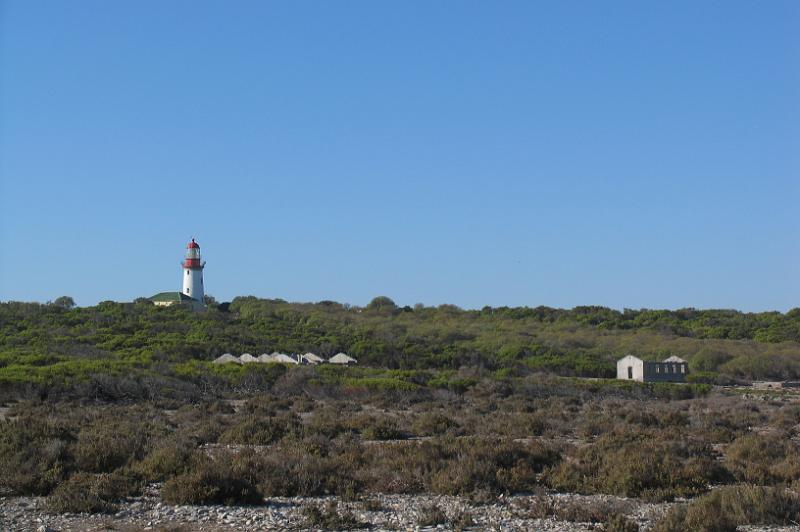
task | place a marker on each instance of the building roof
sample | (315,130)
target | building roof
(177,297)
(341,358)
(263,357)
(247,358)
(227,357)
(285,359)
(193,244)
(674,358)
(311,357)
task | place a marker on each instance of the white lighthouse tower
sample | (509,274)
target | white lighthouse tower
(193,272)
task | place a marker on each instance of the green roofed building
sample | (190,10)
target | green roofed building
(165,299)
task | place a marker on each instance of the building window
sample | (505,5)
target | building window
(187,272)
(658,369)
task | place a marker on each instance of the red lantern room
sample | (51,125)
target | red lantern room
(192,256)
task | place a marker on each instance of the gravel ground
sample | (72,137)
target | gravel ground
(380,512)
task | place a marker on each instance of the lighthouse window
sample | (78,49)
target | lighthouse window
(187,272)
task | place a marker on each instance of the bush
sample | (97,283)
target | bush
(87,493)
(34,455)
(221,481)
(107,445)
(620,523)
(381,429)
(763,459)
(591,511)
(308,468)
(330,518)
(638,464)
(433,424)
(254,430)
(167,460)
(728,507)
(456,466)
(431,515)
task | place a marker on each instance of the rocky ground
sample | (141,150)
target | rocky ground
(385,512)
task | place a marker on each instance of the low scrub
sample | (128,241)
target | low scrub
(456,466)
(224,480)
(34,454)
(330,517)
(638,464)
(169,459)
(763,459)
(260,430)
(728,507)
(434,424)
(88,493)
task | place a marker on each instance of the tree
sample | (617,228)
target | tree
(209,300)
(382,303)
(64,302)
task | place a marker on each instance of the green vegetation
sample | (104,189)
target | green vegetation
(58,345)
(102,401)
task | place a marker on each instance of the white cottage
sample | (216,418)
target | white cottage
(673,369)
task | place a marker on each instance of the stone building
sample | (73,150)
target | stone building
(673,369)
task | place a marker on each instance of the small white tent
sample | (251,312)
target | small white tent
(341,358)
(247,358)
(285,359)
(265,358)
(311,358)
(227,357)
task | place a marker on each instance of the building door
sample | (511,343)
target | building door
(630,372)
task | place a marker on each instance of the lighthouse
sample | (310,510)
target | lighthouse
(193,272)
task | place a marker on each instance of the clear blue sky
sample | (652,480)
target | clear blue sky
(627,154)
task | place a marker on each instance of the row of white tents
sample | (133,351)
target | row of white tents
(283,358)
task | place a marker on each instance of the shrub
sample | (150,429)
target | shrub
(433,424)
(591,511)
(107,445)
(254,430)
(34,454)
(763,459)
(220,481)
(725,508)
(167,460)
(87,493)
(329,517)
(461,521)
(456,466)
(381,429)
(431,515)
(639,464)
(620,523)
(292,470)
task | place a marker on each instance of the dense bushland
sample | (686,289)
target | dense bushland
(166,351)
